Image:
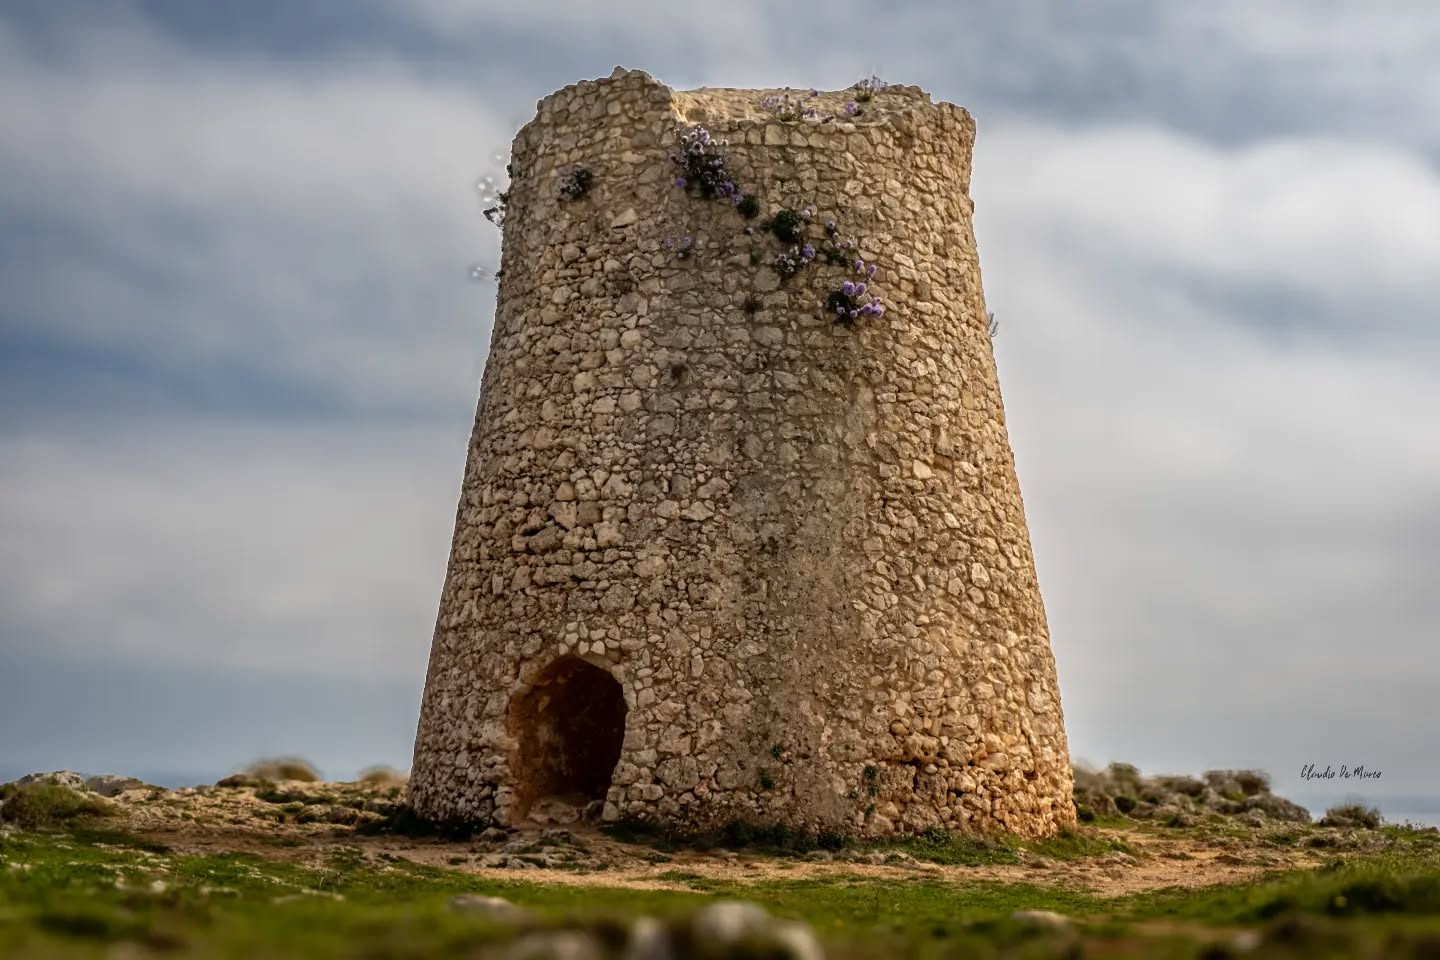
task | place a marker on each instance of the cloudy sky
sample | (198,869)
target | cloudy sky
(240,349)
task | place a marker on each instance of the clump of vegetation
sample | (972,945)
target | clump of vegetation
(836,250)
(404,821)
(576,183)
(865,90)
(933,846)
(1352,815)
(1387,884)
(32,806)
(496,198)
(271,771)
(702,166)
(382,776)
(1237,784)
(852,299)
(682,248)
(788,225)
(786,106)
(794,260)
(963,849)
(734,835)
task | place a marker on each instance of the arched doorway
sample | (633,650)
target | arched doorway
(569,724)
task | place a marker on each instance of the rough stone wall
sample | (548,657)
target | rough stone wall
(799,546)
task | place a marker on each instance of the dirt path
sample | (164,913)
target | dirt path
(593,859)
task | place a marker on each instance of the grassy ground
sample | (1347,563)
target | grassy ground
(76,881)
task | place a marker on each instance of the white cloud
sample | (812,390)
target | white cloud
(308,548)
(314,221)
(1339,221)
(1229,524)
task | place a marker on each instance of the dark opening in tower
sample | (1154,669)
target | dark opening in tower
(569,724)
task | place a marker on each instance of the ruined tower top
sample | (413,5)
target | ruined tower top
(740,536)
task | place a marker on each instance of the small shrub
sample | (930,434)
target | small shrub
(682,248)
(1125,803)
(239,780)
(736,834)
(866,89)
(835,250)
(280,768)
(853,300)
(776,751)
(794,260)
(1352,815)
(776,838)
(497,199)
(787,225)
(381,776)
(405,822)
(576,183)
(749,206)
(329,813)
(269,793)
(788,107)
(937,845)
(1123,772)
(35,805)
(1253,782)
(767,782)
(702,167)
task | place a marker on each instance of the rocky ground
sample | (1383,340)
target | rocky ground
(1148,847)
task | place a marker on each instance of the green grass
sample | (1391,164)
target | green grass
(934,846)
(768,839)
(1389,884)
(62,894)
(961,850)
(73,894)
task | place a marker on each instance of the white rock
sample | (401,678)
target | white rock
(1046,919)
(110,785)
(727,921)
(60,778)
(648,941)
(797,941)
(697,511)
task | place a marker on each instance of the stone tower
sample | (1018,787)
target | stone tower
(723,551)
